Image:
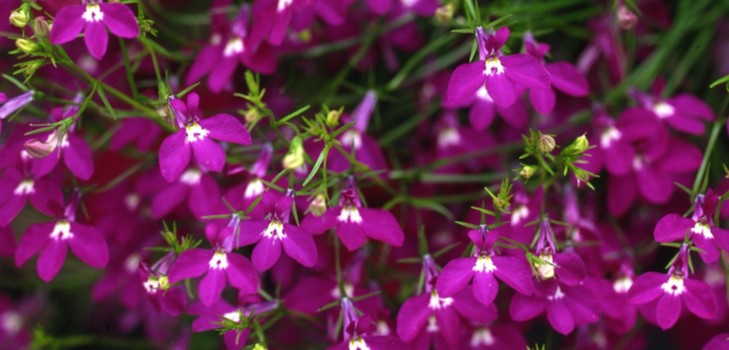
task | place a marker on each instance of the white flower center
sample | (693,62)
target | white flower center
(408,3)
(254,188)
(219,261)
(545,269)
(275,230)
(622,284)
(62,230)
(436,302)
(215,39)
(93,13)
(283,4)
(557,295)
(132,263)
(482,336)
(519,214)
(702,229)
(12,322)
(151,285)
(638,163)
(191,177)
(348,289)
(195,132)
(448,137)
(358,344)
(609,136)
(132,201)
(233,47)
(674,286)
(24,188)
(382,329)
(493,66)
(483,94)
(350,214)
(484,264)
(352,138)
(663,110)
(232,316)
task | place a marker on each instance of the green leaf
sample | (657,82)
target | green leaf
(101,94)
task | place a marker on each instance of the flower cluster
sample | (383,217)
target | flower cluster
(333,174)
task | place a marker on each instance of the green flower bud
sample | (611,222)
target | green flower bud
(295,157)
(546,143)
(20,17)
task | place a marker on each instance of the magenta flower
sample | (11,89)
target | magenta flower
(93,17)
(566,306)
(53,239)
(359,333)
(194,136)
(200,190)
(19,189)
(218,265)
(354,224)
(483,268)
(504,76)
(425,8)
(563,76)
(700,228)
(668,292)
(683,112)
(229,46)
(275,231)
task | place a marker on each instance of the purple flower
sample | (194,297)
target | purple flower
(12,105)
(483,268)
(683,112)
(17,189)
(199,188)
(359,332)
(229,45)
(354,224)
(504,76)
(275,231)
(566,306)
(194,136)
(700,228)
(52,240)
(670,291)
(425,8)
(93,17)
(563,76)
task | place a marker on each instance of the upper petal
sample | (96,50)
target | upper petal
(67,25)
(225,127)
(89,245)
(120,20)
(464,83)
(300,247)
(455,275)
(191,263)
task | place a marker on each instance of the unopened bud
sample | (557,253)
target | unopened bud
(581,144)
(545,269)
(28,68)
(318,205)
(164,282)
(41,27)
(19,17)
(27,46)
(546,143)
(252,116)
(333,118)
(626,18)
(295,157)
(41,149)
(527,171)
(444,14)
(259,346)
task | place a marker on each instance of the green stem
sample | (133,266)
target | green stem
(713,137)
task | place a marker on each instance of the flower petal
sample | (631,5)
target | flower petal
(191,263)
(33,241)
(525,70)
(455,276)
(463,84)
(211,287)
(78,158)
(96,39)
(89,245)
(668,310)
(485,287)
(242,274)
(412,317)
(226,128)
(568,79)
(672,227)
(560,317)
(209,154)
(700,299)
(67,24)
(174,155)
(266,253)
(300,246)
(120,20)
(646,288)
(51,259)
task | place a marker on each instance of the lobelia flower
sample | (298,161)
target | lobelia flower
(10,106)
(128,134)
(161,295)
(199,188)
(275,231)
(358,332)
(454,140)
(504,76)
(229,45)
(667,294)
(17,188)
(353,224)
(683,112)
(62,143)
(483,268)
(218,265)
(428,318)
(425,8)
(700,229)
(53,239)
(242,196)
(92,18)
(194,137)
(563,76)
(211,317)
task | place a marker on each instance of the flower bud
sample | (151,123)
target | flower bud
(333,118)
(252,116)
(19,17)
(546,143)
(545,269)
(41,149)
(318,205)
(295,157)
(527,171)
(28,68)
(626,18)
(164,282)
(41,27)
(581,144)
(444,14)
(27,46)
